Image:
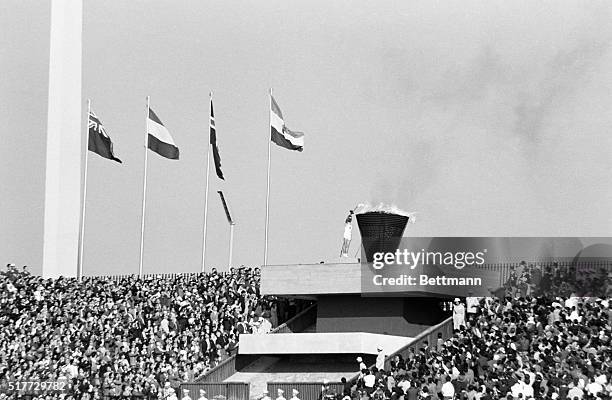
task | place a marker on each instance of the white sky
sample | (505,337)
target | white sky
(488,118)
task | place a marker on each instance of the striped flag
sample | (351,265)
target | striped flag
(213,142)
(99,141)
(280,134)
(160,140)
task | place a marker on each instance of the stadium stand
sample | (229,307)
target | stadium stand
(126,336)
(546,336)
(518,346)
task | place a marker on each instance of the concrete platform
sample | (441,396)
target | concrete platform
(311,279)
(351,278)
(319,343)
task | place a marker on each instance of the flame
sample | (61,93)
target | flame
(363,208)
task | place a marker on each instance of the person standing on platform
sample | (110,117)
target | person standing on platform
(380,359)
(186,395)
(472,304)
(280,394)
(202,395)
(458,314)
(265,395)
(348,234)
(266,325)
(295,394)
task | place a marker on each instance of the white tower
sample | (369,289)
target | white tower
(63,165)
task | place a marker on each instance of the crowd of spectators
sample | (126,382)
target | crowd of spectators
(505,348)
(534,279)
(546,337)
(130,336)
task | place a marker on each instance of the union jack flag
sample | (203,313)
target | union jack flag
(95,124)
(99,141)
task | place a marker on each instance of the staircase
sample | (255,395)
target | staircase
(283,369)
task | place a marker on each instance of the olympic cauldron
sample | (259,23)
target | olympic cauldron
(381,232)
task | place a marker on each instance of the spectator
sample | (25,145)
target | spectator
(362,365)
(125,337)
(448,390)
(458,314)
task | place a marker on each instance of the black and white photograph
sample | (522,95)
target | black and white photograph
(306,200)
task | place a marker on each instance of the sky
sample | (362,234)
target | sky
(486,118)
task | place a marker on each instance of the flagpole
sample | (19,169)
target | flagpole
(144,188)
(231,246)
(206,191)
(82,232)
(268,182)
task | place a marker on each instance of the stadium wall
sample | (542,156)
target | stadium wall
(401,316)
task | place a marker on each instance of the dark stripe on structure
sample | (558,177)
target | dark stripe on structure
(163,149)
(154,117)
(280,140)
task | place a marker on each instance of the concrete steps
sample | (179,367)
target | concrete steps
(275,369)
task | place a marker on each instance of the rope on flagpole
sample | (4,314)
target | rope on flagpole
(144,188)
(268,182)
(82,231)
(206,191)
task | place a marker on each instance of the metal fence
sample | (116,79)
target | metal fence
(229,390)
(307,390)
(221,372)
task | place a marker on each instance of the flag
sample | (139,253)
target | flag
(280,134)
(213,142)
(99,141)
(226,208)
(160,140)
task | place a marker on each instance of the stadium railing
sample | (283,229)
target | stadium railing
(227,368)
(145,276)
(307,390)
(300,322)
(229,390)
(429,335)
